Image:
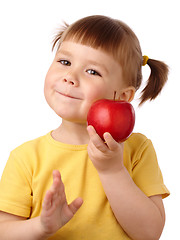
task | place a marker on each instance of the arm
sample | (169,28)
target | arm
(141,217)
(17,228)
(55,214)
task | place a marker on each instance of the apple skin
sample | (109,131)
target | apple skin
(115,117)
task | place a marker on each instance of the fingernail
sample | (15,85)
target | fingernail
(89,128)
(107,135)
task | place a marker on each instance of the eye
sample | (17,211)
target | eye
(93,72)
(65,62)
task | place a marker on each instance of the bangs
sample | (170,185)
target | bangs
(96,32)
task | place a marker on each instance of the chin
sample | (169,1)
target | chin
(71,117)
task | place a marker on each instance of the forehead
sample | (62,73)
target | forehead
(70,48)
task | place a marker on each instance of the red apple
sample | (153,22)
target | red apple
(115,117)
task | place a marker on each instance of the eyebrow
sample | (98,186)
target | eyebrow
(67,53)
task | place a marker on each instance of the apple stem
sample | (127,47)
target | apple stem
(114,95)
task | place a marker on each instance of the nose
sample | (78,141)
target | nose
(73,82)
(72,77)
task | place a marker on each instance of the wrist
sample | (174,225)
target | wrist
(110,178)
(39,230)
(112,170)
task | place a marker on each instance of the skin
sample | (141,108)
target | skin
(78,76)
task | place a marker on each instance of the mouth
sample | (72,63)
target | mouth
(69,96)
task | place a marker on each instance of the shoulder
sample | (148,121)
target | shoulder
(136,141)
(27,155)
(137,137)
(29,150)
(137,144)
(31,144)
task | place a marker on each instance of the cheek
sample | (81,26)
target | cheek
(48,86)
(98,91)
(93,94)
(50,77)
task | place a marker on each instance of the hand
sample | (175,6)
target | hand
(106,156)
(55,210)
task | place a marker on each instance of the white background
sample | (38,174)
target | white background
(26,32)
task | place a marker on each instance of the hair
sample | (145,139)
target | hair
(116,38)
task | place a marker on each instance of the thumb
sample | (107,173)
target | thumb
(75,205)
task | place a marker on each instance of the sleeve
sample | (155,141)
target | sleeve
(146,172)
(15,188)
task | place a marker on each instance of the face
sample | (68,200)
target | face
(78,76)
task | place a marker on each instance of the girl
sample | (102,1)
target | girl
(104,191)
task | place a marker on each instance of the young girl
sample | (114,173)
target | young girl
(99,190)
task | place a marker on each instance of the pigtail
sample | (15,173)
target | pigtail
(156,81)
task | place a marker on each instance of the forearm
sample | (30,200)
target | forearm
(23,229)
(135,212)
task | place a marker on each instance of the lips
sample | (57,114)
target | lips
(69,96)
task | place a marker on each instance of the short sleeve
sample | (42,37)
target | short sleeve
(146,172)
(15,188)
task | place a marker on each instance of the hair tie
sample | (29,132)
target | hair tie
(145,60)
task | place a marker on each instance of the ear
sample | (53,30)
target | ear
(127,94)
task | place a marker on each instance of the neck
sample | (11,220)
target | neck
(71,133)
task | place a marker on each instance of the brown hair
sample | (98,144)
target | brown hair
(117,39)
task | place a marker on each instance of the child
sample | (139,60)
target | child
(99,190)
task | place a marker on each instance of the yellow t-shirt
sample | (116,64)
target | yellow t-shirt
(28,175)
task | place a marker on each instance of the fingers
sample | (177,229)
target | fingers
(56,181)
(47,203)
(56,192)
(96,140)
(57,187)
(75,205)
(111,143)
(55,210)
